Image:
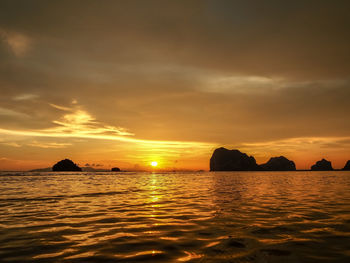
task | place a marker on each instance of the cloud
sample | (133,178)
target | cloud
(48,145)
(240,84)
(296,40)
(298,144)
(12,144)
(23,97)
(11,113)
(18,43)
(80,124)
(60,107)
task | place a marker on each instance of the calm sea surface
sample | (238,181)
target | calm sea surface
(175,217)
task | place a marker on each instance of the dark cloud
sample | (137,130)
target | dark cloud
(297,39)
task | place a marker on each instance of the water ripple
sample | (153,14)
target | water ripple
(204,217)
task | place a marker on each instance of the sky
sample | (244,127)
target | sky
(124,83)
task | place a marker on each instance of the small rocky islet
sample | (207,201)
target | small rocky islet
(66,165)
(322,165)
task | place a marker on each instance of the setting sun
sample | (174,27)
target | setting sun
(154,164)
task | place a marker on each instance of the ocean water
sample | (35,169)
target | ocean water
(175,217)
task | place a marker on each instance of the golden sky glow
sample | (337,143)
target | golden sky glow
(131,82)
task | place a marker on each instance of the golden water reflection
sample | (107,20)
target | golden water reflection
(175,217)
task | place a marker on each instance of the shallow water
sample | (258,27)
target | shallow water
(175,217)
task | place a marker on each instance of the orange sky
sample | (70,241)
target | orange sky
(130,82)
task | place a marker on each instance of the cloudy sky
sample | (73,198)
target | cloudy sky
(129,82)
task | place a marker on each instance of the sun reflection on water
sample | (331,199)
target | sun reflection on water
(162,217)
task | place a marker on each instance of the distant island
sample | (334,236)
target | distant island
(234,160)
(322,165)
(66,165)
(223,159)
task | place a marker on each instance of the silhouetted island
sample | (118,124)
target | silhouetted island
(232,160)
(66,165)
(278,164)
(115,169)
(347,166)
(322,165)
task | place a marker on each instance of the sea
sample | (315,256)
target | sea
(175,217)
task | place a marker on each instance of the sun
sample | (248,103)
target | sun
(154,164)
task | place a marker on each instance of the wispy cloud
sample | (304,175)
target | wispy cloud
(22,97)
(18,43)
(11,113)
(241,84)
(63,108)
(13,144)
(47,145)
(79,123)
(300,144)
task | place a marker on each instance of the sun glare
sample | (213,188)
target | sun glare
(154,164)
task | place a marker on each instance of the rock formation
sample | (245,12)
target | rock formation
(232,160)
(322,165)
(66,165)
(278,164)
(115,169)
(347,166)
